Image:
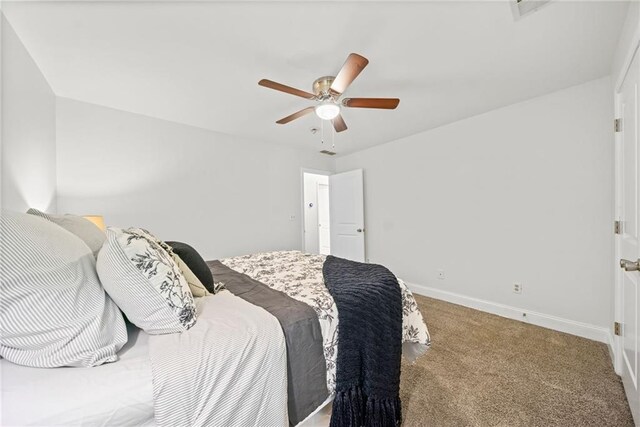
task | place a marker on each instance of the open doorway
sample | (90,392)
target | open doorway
(333,213)
(316,219)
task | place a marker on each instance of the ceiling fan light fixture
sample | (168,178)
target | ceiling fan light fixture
(327,110)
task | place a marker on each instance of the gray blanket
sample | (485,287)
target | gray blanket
(306,366)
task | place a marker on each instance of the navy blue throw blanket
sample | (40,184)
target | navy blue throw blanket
(369,304)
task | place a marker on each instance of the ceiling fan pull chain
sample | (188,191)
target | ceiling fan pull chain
(333,138)
(322,131)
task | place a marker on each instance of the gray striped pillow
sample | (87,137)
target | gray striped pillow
(84,229)
(53,310)
(145,282)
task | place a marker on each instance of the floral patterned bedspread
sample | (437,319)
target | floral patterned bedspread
(299,275)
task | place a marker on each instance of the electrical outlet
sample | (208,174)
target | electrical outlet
(517,288)
(440,274)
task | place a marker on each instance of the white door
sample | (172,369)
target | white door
(346,205)
(627,241)
(324,225)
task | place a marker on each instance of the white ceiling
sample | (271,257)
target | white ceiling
(198,63)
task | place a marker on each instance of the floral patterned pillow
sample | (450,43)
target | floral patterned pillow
(142,278)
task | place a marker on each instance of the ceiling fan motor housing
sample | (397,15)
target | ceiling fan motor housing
(322,86)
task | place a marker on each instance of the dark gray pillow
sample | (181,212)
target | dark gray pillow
(194,261)
(83,228)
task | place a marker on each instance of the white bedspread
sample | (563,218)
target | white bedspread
(299,275)
(115,394)
(227,370)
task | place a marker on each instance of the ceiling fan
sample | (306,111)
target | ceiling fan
(328,90)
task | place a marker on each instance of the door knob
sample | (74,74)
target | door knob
(360,230)
(630,265)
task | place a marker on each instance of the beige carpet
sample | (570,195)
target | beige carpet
(485,370)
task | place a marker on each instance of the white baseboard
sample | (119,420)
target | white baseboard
(585,330)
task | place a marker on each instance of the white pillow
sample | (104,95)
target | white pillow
(145,282)
(53,311)
(195,285)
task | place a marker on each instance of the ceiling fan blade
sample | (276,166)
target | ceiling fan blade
(295,115)
(338,123)
(286,89)
(352,67)
(384,103)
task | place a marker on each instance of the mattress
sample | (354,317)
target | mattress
(117,393)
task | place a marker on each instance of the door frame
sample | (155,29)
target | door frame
(302,207)
(617,272)
(324,207)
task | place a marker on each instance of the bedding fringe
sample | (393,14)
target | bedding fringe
(352,408)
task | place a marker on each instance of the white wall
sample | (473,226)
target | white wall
(628,37)
(519,194)
(28,171)
(1,145)
(224,195)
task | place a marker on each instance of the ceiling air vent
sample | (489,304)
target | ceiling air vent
(328,153)
(521,8)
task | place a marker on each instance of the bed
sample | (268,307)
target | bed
(263,350)
(231,368)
